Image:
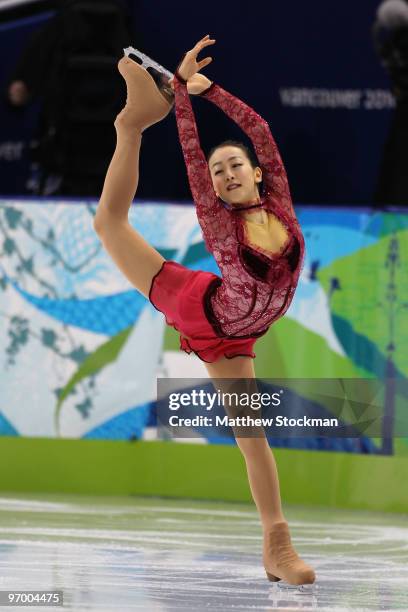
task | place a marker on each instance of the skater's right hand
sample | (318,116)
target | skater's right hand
(189,65)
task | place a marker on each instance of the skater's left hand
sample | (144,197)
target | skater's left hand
(195,84)
(189,66)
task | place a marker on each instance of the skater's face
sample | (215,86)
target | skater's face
(234,178)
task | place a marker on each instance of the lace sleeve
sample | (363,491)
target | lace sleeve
(257,129)
(213,218)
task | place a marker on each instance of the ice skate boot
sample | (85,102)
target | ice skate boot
(145,105)
(281,561)
(160,74)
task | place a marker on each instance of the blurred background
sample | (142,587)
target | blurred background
(335,115)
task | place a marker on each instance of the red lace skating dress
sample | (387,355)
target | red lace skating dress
(224,316)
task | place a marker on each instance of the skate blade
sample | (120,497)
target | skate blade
(147,62)
(297,588)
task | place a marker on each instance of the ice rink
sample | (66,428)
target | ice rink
(124,553)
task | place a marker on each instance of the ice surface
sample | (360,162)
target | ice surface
(158,555)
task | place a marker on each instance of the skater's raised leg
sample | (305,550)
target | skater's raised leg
(135,257)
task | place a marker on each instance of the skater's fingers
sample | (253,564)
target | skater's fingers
(207,43)
(201,41)
(204,43)
(204,62)
(205,40)
(201,45)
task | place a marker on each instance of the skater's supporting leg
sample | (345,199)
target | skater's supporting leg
(260,462)
(280,560)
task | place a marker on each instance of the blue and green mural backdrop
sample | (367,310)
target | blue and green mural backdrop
(81,349)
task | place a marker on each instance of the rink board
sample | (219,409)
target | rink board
(94,467)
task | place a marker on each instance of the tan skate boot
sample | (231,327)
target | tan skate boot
(145,105)
(281,561)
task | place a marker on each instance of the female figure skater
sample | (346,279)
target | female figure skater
(256,241)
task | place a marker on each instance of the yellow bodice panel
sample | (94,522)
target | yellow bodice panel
(270,234)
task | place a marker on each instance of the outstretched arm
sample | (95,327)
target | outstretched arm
(210,212)
(257,129)
(197,168)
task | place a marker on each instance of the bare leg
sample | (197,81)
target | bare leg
(260,462)
(135,257)
(279,557)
